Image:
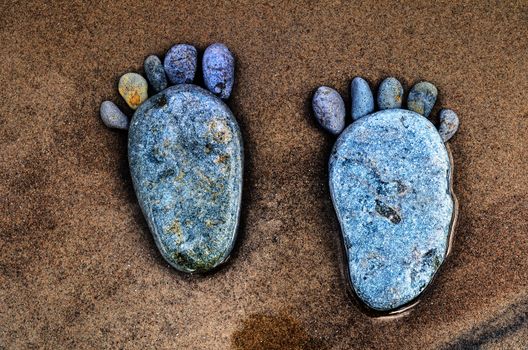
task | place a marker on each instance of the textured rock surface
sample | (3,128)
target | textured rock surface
(390,94)
(422,98)
(112,116)
(329,109)
(133,88)
(185,155)
(361,98)
(219,70)
(389,180)
(155,73)
(180,63)
(448,124)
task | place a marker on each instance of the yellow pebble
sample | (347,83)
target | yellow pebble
(133,88)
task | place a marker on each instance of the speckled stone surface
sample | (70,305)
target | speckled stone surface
(180,63)
(361,98)
(155,73)
(449,124)
(390,94)
(390,184)
(329,109)
(422,98)
(185,154)
(218,66)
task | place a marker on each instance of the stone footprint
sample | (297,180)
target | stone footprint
(185,154)
(390,182)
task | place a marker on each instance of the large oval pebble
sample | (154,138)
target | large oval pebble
(185,154)
(390,184)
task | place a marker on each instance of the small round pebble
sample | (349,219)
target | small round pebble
(112,116)
(448,124)
(329,109)
(219,70)
(133,88)
(422,98)
(155,73)
(362,99)
(390,94)
(180,64)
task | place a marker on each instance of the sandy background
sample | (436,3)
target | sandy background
(78,267)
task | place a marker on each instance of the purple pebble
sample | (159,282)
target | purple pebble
(219,70)
(180,64)
(329,109)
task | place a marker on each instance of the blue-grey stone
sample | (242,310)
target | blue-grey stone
(155,73)
(185,155)
(219,70)
(112,116)
(361,98)
(180,64)
(448,124)
(390,184)
(329,109)
(422,98)
(390,94)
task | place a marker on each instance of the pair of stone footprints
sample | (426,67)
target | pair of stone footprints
(389,173)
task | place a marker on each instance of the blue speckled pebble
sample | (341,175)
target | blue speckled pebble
(329,109)
(219,70)
(112,116)
(422,98)
(155,73)
(390,94)
(185,154)
(180,64)
(390,184)
(361,98)
(448,124)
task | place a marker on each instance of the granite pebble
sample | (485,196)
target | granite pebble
(329,109)
(186,158)
(422,98)
(448,124)
(180,64)
(155,73)
(133,88)
(112,116)
(390,94)
(361,98)
(218,66)
(389,178)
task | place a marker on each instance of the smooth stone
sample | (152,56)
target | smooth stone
(155,73)
(390,94)
(389,178)
(329,109)
(448,124)
(186,157)
(133,88)
(112,116)
(361,97)
(180,64)
(219,70)
(422,98)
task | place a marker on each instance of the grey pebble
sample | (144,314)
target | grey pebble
(448,124)
(362,99)
(422,98)
(112,116)
(329,109)
(155,73)
(390,94)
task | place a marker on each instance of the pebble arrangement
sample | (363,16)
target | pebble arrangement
(390,181)
(185,154)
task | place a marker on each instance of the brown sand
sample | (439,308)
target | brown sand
(78,267)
